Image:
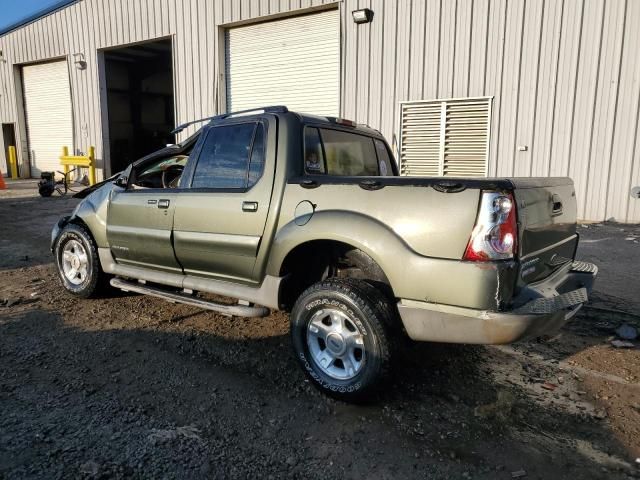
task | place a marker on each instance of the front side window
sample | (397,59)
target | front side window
(224,159)
(162,173)
(336,152)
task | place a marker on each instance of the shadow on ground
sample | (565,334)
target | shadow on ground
(25,228)
(89,396)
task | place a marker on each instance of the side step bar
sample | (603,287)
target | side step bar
(229,310)
(266,294)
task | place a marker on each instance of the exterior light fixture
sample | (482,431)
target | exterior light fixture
(79,61)
(364,15)
(2,59)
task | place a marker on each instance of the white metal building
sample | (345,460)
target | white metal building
(458,87)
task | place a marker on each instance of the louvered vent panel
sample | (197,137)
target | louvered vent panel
(445,137)
(420,149)
(465,139)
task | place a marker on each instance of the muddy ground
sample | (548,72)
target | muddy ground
(130,386)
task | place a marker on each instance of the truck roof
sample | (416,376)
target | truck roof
(282,110)
(333,121)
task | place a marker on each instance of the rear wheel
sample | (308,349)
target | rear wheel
(77,262)
(339,334)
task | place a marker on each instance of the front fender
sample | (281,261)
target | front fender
(57,228)
(91,211)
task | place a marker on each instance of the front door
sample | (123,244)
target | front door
(224,201)
(139,228)
(140,218)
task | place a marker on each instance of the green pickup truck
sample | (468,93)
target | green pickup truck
(284,211)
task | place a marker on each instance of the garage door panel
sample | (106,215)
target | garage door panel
(293,62)
(47,101)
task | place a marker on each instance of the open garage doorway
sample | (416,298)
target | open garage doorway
(140,102)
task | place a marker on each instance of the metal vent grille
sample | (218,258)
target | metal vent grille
(445,137)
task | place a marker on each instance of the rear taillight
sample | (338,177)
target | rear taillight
(495,233)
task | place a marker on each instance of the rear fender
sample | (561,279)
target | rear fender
(357,230)
(411,275)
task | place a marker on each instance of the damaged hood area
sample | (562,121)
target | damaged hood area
(89,190)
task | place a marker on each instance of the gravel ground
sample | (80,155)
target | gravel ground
(130,386)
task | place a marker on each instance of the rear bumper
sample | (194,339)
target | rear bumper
(541,308)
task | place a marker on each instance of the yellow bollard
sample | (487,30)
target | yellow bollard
(92,165)
(13,162)
(83,161)
(65,168)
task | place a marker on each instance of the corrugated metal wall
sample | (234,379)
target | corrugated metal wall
(90,25)
(564,74)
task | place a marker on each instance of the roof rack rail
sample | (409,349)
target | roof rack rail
(270,109)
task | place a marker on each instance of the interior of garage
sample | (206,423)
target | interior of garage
(140,100)
(8,140)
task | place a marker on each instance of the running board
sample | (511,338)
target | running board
(229,310)
(266,294)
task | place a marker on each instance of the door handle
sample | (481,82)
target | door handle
(371,185)
(163,203)
(249,206)
(309,183)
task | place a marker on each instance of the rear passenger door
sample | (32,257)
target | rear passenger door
(222,208)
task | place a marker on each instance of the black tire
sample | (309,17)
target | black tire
(366,310)
(95,280)
(45,190)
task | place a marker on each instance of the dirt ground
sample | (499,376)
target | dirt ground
(130,386)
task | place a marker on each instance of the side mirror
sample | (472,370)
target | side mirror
(122,181)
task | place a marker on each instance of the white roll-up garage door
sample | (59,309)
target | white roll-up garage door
(293,62)
(47,101)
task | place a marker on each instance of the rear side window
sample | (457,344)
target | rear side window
(335,152)
(227,159)
(313,156)
(384,159)
(256,164)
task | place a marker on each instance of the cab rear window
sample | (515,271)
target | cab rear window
(336,152)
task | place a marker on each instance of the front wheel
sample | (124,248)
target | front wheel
(339,334)
(77,262)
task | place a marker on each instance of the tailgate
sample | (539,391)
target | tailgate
(547,225)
